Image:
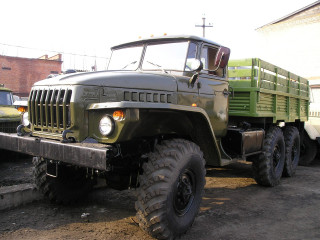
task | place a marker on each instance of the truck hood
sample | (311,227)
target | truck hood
(117,79)
(8,112)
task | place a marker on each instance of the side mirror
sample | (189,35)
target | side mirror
(196,66)
(222,57)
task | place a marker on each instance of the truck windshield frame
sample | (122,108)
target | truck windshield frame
(6,98)
(155,56)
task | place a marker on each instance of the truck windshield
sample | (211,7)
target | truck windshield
(167,56)
(125,58)
(158,56)
(5,98)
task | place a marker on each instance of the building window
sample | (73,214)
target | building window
(6,68)
(54,72)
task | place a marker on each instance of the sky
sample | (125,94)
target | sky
(92,27)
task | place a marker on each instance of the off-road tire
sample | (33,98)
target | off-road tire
(292,155)
(309,150)
(268,166)
(70,186)
(171,189)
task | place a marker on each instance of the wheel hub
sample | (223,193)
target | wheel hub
(185,191)
(276,156)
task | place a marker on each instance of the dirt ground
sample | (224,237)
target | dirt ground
(233,207)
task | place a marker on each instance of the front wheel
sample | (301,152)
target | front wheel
(71,184)
(171,189)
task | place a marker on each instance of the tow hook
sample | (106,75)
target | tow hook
(20,130)
(64,136)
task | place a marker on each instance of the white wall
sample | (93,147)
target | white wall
(293,44)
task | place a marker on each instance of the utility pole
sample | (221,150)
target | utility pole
(204,26)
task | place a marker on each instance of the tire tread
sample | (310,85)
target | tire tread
(151,204)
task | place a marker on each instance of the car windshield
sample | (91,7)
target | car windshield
(5,98)
(167,56)
(125,58)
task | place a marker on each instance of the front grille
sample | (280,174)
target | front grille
(49,109)
(9,127)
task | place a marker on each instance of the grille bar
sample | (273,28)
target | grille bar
(37,108)
(41,108)
(49,109)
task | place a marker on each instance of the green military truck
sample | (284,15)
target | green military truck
(9,115)
(155,119)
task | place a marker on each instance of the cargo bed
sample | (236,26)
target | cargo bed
(264,90)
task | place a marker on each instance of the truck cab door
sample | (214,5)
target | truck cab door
(188,95)
(213,90)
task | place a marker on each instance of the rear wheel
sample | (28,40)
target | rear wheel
(71,184)
(268,166)
(171,189)
(292,143)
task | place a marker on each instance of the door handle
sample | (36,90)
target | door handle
(226,92)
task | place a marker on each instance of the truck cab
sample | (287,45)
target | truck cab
(166,86)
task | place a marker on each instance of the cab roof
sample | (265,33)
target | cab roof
(167,38)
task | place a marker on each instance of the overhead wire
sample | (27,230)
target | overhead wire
(46,50)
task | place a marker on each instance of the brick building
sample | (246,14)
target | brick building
(19,74)
(292,41)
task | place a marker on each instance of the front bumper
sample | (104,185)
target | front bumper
(91,155)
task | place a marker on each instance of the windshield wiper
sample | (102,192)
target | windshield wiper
(134,62)
(158,66)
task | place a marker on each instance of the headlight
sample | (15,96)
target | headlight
(106,125)
(25,120)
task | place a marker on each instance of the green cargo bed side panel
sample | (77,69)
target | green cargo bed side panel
(262,89)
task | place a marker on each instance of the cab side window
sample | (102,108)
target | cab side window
(208,56)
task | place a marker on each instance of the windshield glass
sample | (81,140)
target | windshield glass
(167,56)
(5,98)
(125,58)
(159,56)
